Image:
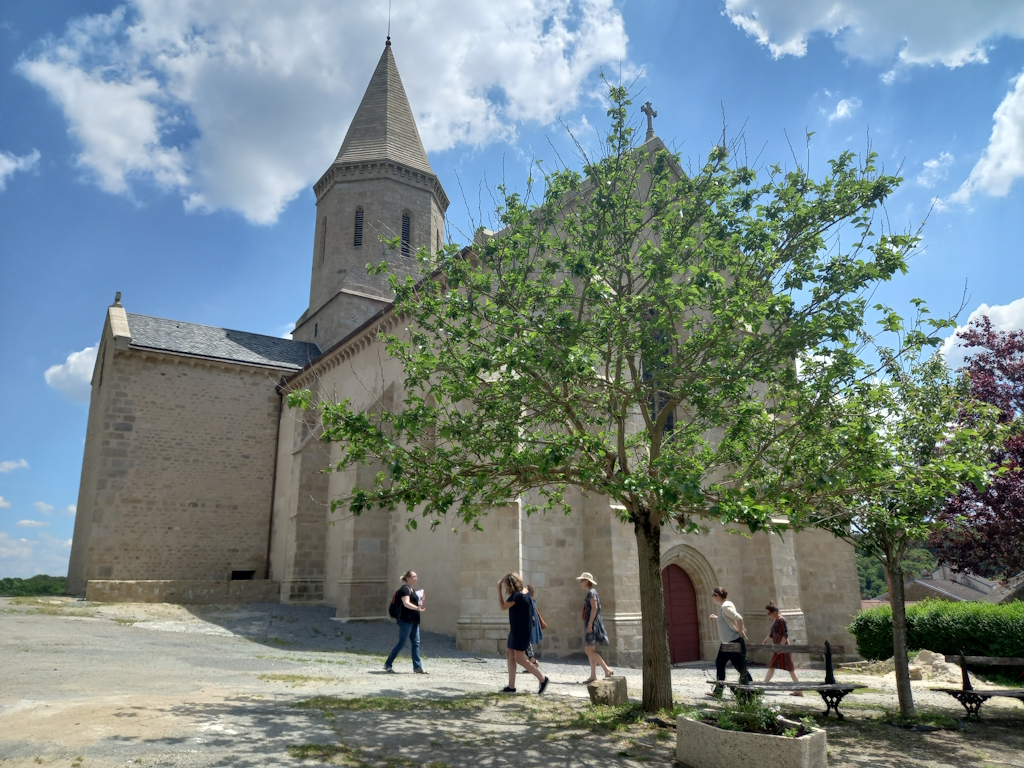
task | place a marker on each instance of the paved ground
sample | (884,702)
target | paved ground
(160,685)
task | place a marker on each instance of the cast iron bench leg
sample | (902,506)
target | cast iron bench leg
(832,699)
(972,702)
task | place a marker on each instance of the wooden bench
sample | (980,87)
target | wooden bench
(971,698)
(831,692)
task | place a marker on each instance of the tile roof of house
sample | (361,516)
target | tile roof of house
(219,343)
(383,127)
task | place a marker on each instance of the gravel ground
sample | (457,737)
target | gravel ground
(163,685)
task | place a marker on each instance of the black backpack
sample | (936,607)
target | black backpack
(395,605)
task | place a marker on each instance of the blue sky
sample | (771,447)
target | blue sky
(166,149)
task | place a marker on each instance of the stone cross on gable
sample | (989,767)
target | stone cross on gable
(651,114)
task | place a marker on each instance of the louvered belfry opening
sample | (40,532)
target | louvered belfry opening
(406,230)
(357,239)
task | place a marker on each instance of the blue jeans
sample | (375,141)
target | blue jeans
(407,631)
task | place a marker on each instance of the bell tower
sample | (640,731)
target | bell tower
(380,185)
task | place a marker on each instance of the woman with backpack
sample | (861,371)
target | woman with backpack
(405,606)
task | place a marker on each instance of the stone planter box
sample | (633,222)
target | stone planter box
(705,746)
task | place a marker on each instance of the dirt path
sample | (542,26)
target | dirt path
(160,685)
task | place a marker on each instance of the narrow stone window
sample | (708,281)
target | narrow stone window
(323,239)
(438,233)
(316,327)
(357,239)
(406,234)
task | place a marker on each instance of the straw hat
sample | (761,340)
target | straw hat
(588,576)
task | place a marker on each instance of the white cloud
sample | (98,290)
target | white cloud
(285,331)
(7,466)
(42,506)
(4,503)
(844,109)
(935,170)
(22,558)
(1003,160)
(32,523)
(73,377)
(242,105)
(916,32)
(72,509)
(11,164)
(1004,317)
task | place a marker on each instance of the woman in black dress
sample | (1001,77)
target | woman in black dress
(520,619)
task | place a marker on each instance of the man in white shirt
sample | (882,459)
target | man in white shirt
(730,630)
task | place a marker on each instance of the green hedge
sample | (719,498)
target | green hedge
(37,585)
(978,629)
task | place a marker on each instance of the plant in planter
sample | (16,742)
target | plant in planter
(748,732)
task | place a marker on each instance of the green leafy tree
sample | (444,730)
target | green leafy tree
(871,573)
(633,332)
(921,437)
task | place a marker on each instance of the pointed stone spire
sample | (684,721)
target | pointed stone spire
(383,127)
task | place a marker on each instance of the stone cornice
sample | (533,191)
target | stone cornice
(180,358)
(347,348)
(383,169)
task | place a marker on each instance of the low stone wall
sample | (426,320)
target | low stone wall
(182,592)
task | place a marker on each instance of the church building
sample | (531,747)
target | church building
(199,484)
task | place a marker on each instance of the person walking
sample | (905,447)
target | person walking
(779,635)
(520,614)
(730,630)
(594,633)
(409,610)
(539,625)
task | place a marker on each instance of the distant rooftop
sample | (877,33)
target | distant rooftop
(219,343)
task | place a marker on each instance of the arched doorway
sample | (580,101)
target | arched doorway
(681,615)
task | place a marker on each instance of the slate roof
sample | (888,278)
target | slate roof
(383,127)
(219,343)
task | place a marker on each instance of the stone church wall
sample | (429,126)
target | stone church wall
(177,472)
(829,588)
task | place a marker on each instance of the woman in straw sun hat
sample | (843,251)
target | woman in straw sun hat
(594,633)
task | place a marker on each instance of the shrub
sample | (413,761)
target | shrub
(37,585)
(978,629)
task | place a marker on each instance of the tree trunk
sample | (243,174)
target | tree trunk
(657,668)
(901,661)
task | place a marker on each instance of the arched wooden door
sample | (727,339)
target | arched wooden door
(681,614)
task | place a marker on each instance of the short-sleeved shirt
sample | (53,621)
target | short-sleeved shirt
(587,606)
(728,619)
(404,614)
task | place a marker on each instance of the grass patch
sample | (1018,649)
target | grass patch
(295,680)
(394,704)
(54,607)
(320,752)
(279,641)
(934,719)
(343,754)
